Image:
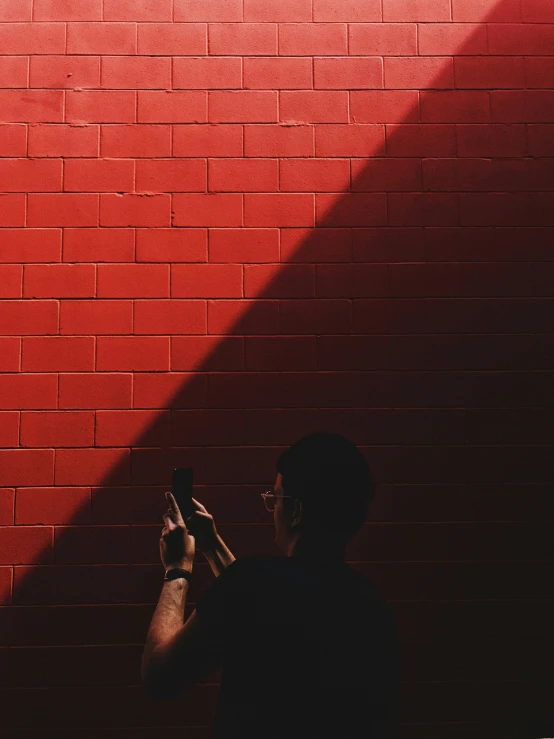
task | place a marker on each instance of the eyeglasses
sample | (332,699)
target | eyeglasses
(270,498)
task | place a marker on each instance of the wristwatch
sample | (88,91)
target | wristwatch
(175,572)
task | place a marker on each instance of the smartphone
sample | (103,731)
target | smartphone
(181,488)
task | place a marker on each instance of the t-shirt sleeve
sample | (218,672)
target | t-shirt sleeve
(225,605)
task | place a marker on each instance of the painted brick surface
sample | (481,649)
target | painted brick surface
(225,224)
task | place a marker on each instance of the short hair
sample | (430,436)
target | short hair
(331,477)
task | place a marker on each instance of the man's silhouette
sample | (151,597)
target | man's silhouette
(307,644)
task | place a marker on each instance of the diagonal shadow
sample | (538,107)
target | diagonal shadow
(407,318)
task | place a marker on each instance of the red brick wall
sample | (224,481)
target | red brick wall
(226,223)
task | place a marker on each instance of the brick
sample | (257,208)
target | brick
(315,175)
(172,245)
(30,245)
(16,10)
(207,140)
(541,140)
(207,210)
(172,107)
(243,316)
(96,317)
(135,210)
(243,175)
(491,140)
(25,317)
(67,10)
(521,39)
(133,281)
(279,140)
(387,174)
(92,466)
(423,209)
(323,245)
(312,39)
(11,278)
(52,505)
(10,351)
(389,316)
(389,245)
(27,467)
(95,390)
(537,11)
(415,140)
(243,39)
(491,72)
(384,106)
(32,38)
(59,140)
(277,11)
(7,504)
(136,141)
(136,72)
(539,72)
(218,11)
(57,354)
(132,428)
(324,316)
(150,10)
(170,317)
(101,38)
(349,140)
(13,140)
(278,210)
(352,352)
(348,11)
(431,11)
(21,546)
(243,245)
(314,106)
(356,209)
(419,72)
(170,175)
(455,39)
(57,428)
(288,353)
(242,106)
(522,106)
(351,280)
(62,209)
(282,73)
(212,426)
(132,353)
(59,281)
(12,210)
(206,281)
(455,106)
(244,390)
(100,106)
(494,279)
(98,175)
(64,71)
(13,71)
(424,280)
(170,39)
(183,390)
(28,391)
(205,73)
(279,281)
(98,245)
(31,106)
(349,73)
(476,10)
(206,353)
(92,544)
(22,175)
(383,39)
(510,209)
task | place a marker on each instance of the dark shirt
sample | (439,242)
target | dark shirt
(308,650)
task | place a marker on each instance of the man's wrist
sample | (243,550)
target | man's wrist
(188,566)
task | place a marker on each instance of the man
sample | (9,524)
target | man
(308,646)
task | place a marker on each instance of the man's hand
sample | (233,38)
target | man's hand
(177,546)
(201,525)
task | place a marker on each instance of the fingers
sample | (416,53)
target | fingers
(199,505)
(174,508)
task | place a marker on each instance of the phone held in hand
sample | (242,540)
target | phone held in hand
(182,490)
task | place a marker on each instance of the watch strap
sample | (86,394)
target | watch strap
(175,572)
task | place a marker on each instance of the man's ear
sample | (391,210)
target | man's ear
(297,512)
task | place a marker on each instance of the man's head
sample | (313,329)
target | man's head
(330,485)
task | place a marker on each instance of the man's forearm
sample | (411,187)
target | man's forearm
(219,557)
(167,618)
